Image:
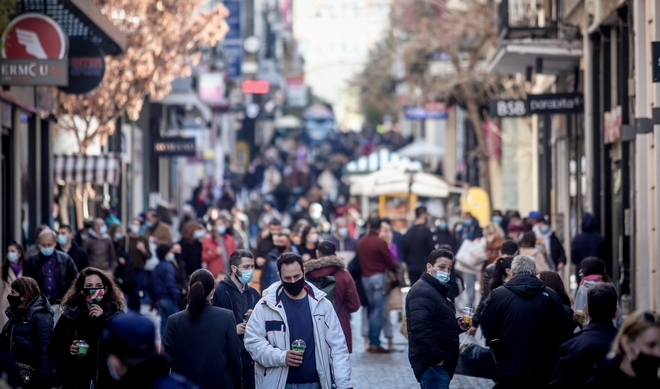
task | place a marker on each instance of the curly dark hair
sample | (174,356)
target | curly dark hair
(75,299)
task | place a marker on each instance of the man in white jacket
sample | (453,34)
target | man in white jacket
(269,335)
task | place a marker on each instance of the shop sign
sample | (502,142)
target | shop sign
(212,88)
(612,125)
(34,48)
(508,108)
(555,103)
(429,111)
(174,147)
(86,67)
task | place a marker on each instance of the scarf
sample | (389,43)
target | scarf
(593,277)
(16,267)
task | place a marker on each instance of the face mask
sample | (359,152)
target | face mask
(118,235)
(497,219)
(280,248)
(94,295)
(221,229)
(103,230)
(47,251)
(112,371)
(538,248)
(200,234)
(14,301)
(646,366)
(12,256)
(341,201)
(149,224)
(442,277)
(169,257)
(443,226)
(343,232)
(313,238)
(245,277)
(459,228)
(294,288)
(545,229)
(62,240)
(135,229)
(467,222)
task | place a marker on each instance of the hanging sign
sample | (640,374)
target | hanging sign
(86,67)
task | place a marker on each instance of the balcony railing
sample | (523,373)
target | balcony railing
(527,19)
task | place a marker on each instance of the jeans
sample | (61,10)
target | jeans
(140,281)
(435,377)
(166,307)
(373,288)
(311,385)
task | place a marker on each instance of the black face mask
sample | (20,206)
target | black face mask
(646,366)
(14,301)
(294,288)
(280,248)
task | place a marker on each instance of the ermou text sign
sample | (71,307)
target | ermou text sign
(174,147)
(545,104)
(45,72)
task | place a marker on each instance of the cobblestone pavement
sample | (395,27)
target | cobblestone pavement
(393,371)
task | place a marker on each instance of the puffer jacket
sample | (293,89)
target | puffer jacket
(26,336)
(267,340)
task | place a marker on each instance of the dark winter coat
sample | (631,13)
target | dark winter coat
(78,255)
(432,326)
(154,373)
(26,336)
(444,237)
(213,336)
(345,293)
(611,376)
(529,321)
(417,245)
(65,272)
(77,325)
(191,256)
(348,244)
(579,356)
(165,282)
(485,288)
(588,243)
(228,296)
(356,273)
(557,253)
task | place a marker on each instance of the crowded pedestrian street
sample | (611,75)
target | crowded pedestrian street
(329,194)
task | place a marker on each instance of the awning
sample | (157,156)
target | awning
(81,168)
(188,99)
(377,160)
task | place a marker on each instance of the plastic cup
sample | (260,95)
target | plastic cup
(82,349)
(299,346)
(468,312)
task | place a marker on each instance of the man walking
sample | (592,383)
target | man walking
(99,248)
(294,314)
(588,243)
(417,245)
(66,244)
(578,356)
(375,258)
(159,231)
(525,320)
(235,294)
(432,325)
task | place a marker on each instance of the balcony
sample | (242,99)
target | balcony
(530,38)
(520,19)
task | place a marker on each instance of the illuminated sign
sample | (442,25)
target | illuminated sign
(255,87)
(174,147)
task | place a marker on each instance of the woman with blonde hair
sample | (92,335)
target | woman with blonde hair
(635,356)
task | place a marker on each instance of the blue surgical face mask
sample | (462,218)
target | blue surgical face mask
(62,240)
(497,219)
(103,229)
(221,229)
(135,229)
(12,256)
(467,222)
(200,234)
(246,276)
(118,235)
(459,228)
(47,251)
(169,257)
(343,232)
(149,224)
(545,229)
(539,248)
(442,277)
(442,226)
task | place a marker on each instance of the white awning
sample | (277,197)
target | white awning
(390,181)
(81,168)
(188,99)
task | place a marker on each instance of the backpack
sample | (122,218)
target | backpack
(326,284)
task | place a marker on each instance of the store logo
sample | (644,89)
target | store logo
(34,36)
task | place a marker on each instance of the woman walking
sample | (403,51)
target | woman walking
(28,332)
(76,346)
(12,268)
(204,330)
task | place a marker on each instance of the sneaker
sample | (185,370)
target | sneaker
(378,350)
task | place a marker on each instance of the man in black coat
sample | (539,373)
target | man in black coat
(433,329)
(65,243)
(417,245)
(578,356)
(267,244)
(529,323)
(235,294)
(588,243)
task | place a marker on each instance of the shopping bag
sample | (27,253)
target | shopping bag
(476,361)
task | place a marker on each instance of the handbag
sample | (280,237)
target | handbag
(394,300)
(476,361)
(25,371)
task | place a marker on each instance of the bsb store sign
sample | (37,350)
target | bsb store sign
(34,50)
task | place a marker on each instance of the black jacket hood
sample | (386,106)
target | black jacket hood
(525,285)
(588,222)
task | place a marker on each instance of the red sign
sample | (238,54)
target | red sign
(34,36)
(255,87)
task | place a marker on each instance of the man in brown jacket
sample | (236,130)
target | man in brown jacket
(160,231)
(99,247)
